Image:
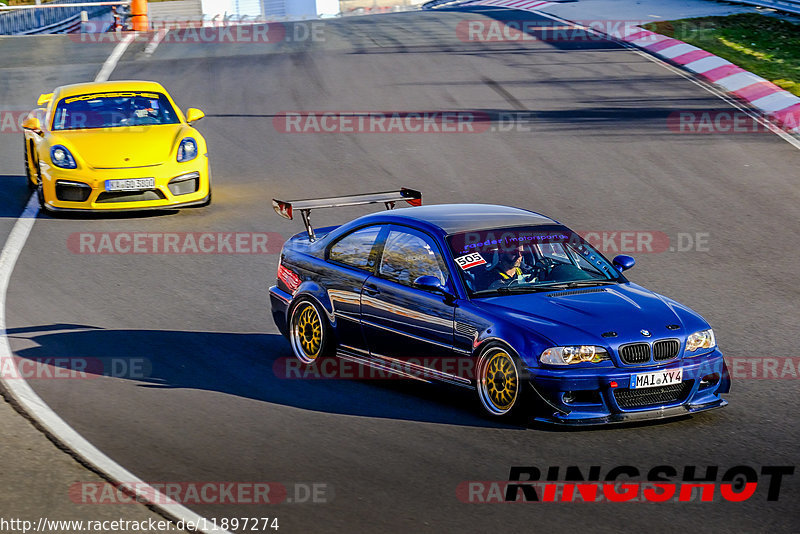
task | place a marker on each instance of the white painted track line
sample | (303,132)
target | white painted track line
(155,41)
(33,405)
(113,59)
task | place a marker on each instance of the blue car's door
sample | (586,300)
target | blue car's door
(352,259)
(400,321)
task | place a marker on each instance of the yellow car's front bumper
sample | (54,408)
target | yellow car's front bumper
(177,185)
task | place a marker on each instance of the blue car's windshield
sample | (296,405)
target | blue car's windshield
(112,110)
(533,258)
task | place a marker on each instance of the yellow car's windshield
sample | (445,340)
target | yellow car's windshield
(112,110)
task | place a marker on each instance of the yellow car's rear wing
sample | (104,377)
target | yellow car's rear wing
(285,208)
(44,99)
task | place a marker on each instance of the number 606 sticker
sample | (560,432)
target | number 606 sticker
(470,260)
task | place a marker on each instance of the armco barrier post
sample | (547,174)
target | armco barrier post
(139,15)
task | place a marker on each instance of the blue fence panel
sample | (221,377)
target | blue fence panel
(48,20)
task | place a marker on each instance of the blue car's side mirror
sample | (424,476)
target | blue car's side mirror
(623,262)
(430,283)
(434,285)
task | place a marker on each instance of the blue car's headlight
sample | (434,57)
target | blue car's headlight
(61,157)
(573,354)
(701,340)
(187,150)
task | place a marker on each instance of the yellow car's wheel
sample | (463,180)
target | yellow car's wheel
(40,189)
(28,173)
(500,388)
(308,332)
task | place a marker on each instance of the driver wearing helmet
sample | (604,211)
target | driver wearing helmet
(510,268)
(143,110)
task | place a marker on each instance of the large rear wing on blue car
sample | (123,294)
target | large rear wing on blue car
(286,208)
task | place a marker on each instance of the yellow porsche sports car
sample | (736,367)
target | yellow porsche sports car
(121,145)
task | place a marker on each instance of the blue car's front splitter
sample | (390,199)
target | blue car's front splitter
(604,395)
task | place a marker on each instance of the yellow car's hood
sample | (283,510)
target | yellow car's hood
(116,148)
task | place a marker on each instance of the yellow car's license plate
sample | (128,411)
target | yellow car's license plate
(657,379)
(130,184)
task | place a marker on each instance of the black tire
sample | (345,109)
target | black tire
(502,389)
(309,333)
(40,191)
(28,174)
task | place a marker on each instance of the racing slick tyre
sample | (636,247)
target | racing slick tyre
(28,174)
(309,332)
(500,383)
(40,191)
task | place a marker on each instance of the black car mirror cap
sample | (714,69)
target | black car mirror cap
(623,262)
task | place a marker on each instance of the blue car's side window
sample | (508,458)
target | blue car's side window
(408,256)
(354,249)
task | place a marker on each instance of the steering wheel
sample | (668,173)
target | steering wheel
(513,282)
(527,278)
(543,267)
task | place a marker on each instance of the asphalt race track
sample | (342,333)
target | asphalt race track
(592,149)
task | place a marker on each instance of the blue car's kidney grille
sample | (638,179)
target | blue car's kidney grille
(635,353)
(665,349)
(641,398)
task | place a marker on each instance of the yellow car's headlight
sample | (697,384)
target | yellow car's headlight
(61,157)
(187,150)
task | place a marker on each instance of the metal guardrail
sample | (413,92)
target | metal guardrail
(69,25)
(790,6)
(48,20)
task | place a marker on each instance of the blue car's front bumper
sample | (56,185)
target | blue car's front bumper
(603,395)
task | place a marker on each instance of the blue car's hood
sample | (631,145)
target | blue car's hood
(581,316)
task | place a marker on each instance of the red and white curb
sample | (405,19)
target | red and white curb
(778,104)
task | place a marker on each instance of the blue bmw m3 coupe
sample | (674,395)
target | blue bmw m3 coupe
(501,300)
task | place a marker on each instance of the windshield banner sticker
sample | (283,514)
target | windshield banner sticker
(93,96)
(504,240)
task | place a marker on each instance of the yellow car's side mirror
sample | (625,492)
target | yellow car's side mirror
(32,123)
(194,114)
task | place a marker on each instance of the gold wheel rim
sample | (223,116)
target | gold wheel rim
(500,382)
(308,332)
